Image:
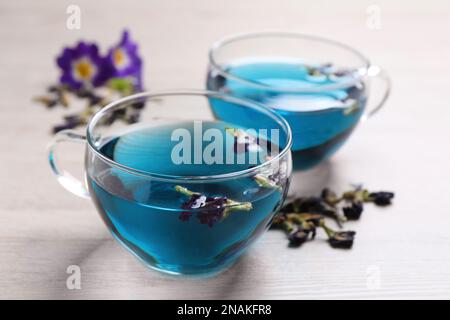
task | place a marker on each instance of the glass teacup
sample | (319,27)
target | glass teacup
(319,86)
(184,191)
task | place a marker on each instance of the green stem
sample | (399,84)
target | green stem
(334,202)
(358,195)
(301,217)
(330,232)
(185,191)
(234,205)
(265,182)
(289,226)
(231,206)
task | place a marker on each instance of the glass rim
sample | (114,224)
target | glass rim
(188,92)
(219,44)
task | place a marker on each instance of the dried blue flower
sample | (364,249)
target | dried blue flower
(342,239)
(300,227)
(300,217)
(381,198)
(82,66)
(298,237)
(209,210)
(314,205)
(354,211)
(213,211)
(70,122)
(133,117)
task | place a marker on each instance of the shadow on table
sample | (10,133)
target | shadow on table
(108,271)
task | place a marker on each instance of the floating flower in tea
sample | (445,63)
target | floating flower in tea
(209,210)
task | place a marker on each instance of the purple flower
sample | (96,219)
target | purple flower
(382,198)
(299,236)
(354,211)
(342,239)
(123,61)
(82,66)
(211,209)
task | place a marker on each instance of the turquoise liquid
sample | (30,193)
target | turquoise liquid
(144,214)
(321,121)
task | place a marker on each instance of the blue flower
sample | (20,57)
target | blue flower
(123,61)
(81,66)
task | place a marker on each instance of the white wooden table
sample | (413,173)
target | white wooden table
(400,252)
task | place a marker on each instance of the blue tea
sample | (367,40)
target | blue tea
(323,112)
(187,228)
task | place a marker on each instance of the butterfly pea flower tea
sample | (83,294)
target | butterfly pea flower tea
(319,86)
(185,195)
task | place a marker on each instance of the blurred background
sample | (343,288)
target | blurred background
(400,252)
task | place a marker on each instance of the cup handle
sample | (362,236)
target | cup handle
(376,72)
(68,181)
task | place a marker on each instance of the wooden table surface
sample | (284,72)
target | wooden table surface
(400,252)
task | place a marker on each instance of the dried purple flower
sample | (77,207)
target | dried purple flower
(82,66)
(298,237)
(342,239)
(210,210)
(133,117)
(139,105)
(314,205)
(300,227)
(382,198)
(338,239)
(302,216)
(71,122)
(95,100)
(195,201)
(354,211)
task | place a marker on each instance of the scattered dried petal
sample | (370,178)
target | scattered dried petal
(382,198)
(354,211)
(342,239)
